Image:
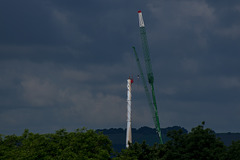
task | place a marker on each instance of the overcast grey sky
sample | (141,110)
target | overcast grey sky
(65,64)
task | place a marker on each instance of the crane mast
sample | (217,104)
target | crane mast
(152,102)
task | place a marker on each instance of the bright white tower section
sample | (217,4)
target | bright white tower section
(140,17)
(129,101)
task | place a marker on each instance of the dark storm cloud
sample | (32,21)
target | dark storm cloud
(26,22)
(76,32)
(65,64)
(203,39)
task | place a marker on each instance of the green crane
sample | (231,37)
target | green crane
(151,100)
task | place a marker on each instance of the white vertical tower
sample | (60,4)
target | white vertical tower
(129,101)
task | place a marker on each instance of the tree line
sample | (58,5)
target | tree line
(199,144)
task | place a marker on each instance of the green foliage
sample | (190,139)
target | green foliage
(199,144)
(81,144)
(138,151)
(234,151)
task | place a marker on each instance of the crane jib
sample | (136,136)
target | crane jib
(148,65)
(151,100)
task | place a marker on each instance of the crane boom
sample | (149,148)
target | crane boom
(151,103)
(149,72)
(149,98)
(145,48)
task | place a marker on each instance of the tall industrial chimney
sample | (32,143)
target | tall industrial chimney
(129,101)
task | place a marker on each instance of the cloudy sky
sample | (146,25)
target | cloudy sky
(65,64)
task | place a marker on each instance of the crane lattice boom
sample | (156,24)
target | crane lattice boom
(151,100)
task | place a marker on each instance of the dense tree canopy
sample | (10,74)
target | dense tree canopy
(81,144)
(199,144)
(234,151)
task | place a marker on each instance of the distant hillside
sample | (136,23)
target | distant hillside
(227,138)
(118,136)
